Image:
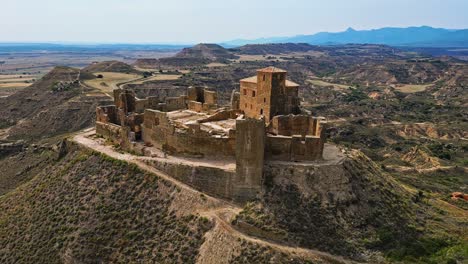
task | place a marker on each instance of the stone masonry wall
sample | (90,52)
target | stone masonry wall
(211,180)
(250,146)
(289,125)
(159,131)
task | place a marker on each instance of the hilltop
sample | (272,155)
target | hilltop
(194,56)
(211,52)
(110,66)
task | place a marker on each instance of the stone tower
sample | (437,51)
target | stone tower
(268,94)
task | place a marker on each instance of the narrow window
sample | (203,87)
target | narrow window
(264,99)
(245,105)
(263,77)
(261,111)
(253,93)
(250,106)
(245,91)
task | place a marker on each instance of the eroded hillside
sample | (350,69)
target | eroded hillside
(88,207)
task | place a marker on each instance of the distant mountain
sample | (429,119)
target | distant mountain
(423,36)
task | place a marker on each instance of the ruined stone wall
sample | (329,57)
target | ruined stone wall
(289,125)
(222,115)
(195,106)
(106,114)
(213,181)
(211,97)
(250,146)
(196,94)
(235,100)
(113,132)
(159,131)
(173,103)
(294,148)
(278,148)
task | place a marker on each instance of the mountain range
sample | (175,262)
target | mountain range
(423,36)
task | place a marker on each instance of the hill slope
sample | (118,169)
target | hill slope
(110,66)
(88,208)
(211,52)
(55,104)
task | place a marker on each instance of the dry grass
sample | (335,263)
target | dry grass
(14,85)
(158,77)
(412,88)
(110,80)
(9,83)
(216,64)
(322,83)
(259,57)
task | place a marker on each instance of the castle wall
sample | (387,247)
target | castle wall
(211,180)
(173,103)
(250,145)
(294,148)
(115,133)
(159,131)
(195,106)
(235,100)
(211,97)
(288,125)
(196,94)
(106,114)
(222,115)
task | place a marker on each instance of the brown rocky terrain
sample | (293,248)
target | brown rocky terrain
(54,105)
(117,211)
(80,206)
(212,52)
(110,66)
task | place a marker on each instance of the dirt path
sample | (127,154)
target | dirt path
(219,211)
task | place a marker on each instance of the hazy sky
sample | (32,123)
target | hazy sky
(184,21)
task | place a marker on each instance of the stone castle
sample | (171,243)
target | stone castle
(263,124)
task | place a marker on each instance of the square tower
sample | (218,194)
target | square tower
(268,94)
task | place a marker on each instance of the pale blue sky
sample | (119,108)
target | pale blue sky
(184,21)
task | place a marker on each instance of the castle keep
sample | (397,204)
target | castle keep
(263,124)
(268,94)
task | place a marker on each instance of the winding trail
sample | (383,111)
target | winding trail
(221,211)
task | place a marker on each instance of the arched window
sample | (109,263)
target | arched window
(261,111)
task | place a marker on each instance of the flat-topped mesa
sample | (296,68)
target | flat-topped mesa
(263,125)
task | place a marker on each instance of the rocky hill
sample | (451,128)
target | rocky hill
(211,52)
(54,105)
(88,207)
(110,66)
(197,55)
